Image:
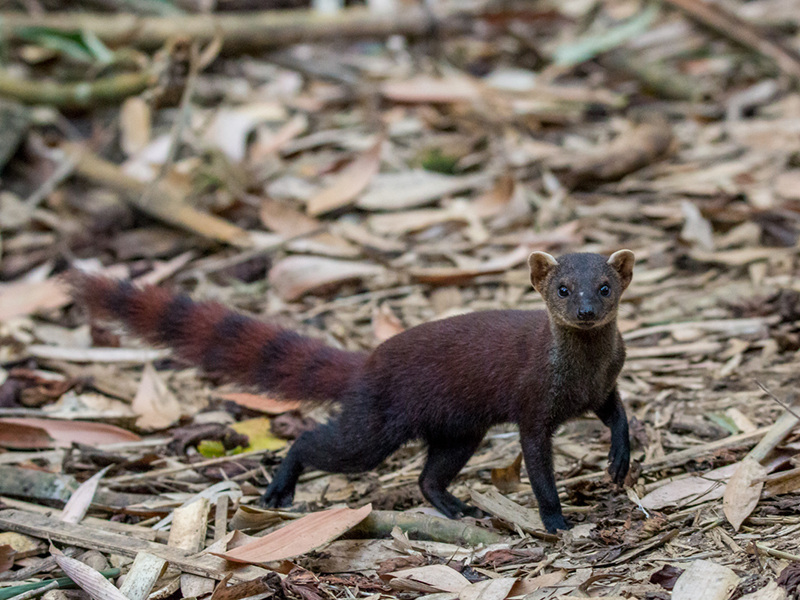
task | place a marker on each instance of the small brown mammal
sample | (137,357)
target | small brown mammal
(445,382)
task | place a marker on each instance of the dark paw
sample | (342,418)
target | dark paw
(276,498)
(619,463)
(472,511)
(553,523)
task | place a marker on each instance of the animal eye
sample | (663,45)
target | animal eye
(605,290)
(563,291)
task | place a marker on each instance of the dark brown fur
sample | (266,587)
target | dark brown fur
(445,382)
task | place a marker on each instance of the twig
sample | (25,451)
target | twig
(74,95)
(741,32)
(788,408)
(265,29)
(180,468)
(64,170)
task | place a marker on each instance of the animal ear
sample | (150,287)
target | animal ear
(622,262)
(541,263)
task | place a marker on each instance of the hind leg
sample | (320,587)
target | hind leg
(346,445)
(445,459)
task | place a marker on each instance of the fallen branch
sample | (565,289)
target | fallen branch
(732,27)
(380,523)
(163,203)
(238,31)
(72,96)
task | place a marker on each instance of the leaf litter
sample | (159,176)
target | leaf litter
(351,190)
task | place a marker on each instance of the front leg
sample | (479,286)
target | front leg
(612,413)
(537,448)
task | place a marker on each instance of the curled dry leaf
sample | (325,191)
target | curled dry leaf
(135,125)
(429,579)
(385,323)
(79,502)
(89,580)
(704,488)
(743,491)
(27,298)
(7,554)
(707,580)
(507,479)
(523,587)
(64,433)
(298,537)
(348,184)
(295,276)
(265,404)
(489,589)
(156,405)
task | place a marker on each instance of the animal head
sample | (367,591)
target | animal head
(582,290)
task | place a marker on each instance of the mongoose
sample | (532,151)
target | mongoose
(445,382)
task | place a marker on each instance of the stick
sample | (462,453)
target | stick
(741,32)
(240,31)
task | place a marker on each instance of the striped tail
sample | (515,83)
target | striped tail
(224,343)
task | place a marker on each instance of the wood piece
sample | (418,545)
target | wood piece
(503,508)
(141,578)
(188,532)
(116,543)
(221,517)
(379,523)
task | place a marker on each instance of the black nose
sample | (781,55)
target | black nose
(586,314)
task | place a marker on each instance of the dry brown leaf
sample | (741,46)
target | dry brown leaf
(683,492)
(425,89)
(454,275)
(265,404)
(79,501)
(156,405)
(298,537)
(523,587)
(268,143)
(489,589)
(7,554)
(20,299)
(348,184)
(385,323)
(135,125)
(295,276)
(24,437)
(784,482)
(705,579)
(64,433)
(430,579)
(506,509)
(507,479)
(743,491)
(496,198)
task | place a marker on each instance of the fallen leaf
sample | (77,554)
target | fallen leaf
(743,491)
(64,433)
(268,143)
(507,479)
(24,437)
(506,509)
(703,488)
(705,579)
(79,501)
(429,579)
(523,587)
(348,184)
(454,275)
(298,537)
(696,228)
(385,323)
(232,126)
(295,276)
(489,589)
(258,432)
(7,554)
(410,189)
(772,591)
(265,404)
(27,298)
(134,125)
(89,580)
(425,89)
(156,405)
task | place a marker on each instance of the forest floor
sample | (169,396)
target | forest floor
(351,189)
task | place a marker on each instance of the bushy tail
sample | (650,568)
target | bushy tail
(224,343)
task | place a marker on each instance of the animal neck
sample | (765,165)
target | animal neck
(591,345)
